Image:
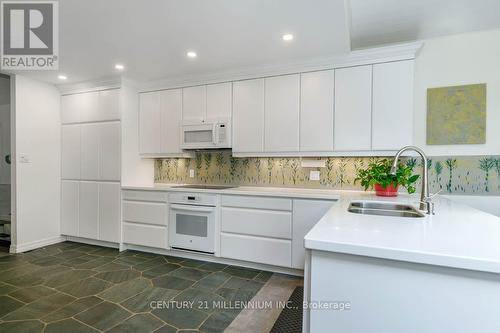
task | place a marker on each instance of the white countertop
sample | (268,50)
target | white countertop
(456,236)
(304,193)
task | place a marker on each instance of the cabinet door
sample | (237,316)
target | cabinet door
(219,101)
(109,212)
(306,213)
(149,123)
(109,151)
(109,105)
(282,113)
(90,151)
(171,118)
(69,207)
(316,111)
(88,104)
(353,108)
(194,104)
(88,210)
(271,251)
(248,116)
(70,151)
(70,112)
(392,105)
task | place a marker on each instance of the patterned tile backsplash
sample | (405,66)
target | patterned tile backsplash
(466,175)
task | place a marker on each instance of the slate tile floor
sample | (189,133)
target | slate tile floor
(73,287)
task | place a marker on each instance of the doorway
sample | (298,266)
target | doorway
(5,164)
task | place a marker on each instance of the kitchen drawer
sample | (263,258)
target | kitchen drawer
(265,223)
(155,196)
(256,202)
(256,249)
(146,235)
(145,212)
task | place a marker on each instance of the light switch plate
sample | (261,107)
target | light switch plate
(314,175)
(191,173)
(24,158)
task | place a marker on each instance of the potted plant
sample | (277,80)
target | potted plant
(378,176)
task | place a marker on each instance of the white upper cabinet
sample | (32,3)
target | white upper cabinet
(91,106)
(109,105)
(194,101)
(392,105)
(248,116)
(171,119)
(70,111)
(219,100)
(282,96)
(88,105)
(353,108)
(316,111)
(70,151)
(149,123)
(109,151)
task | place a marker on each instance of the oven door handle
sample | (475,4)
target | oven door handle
(192,208)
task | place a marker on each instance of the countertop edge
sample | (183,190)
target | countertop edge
(433,259)
(295,193)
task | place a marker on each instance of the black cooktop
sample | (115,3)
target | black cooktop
(205,187)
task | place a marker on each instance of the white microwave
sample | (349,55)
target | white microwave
(208,135)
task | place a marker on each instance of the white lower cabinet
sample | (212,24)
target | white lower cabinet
(145,218)
(255,222)
(109,212)
(257,229)
(91,210)
(88,225)
(145,212)
(256,249)
(69,207)
(268,230)
(306,213)
(145,235)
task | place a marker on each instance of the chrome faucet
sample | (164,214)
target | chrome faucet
(426,203)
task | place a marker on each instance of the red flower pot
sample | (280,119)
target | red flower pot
(389,191)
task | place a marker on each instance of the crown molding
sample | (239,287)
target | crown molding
(111,82)
(387,53)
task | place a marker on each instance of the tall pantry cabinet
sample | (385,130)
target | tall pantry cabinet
(91,168)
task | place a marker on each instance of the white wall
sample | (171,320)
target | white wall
(37,128)
(455,60)
(135,171)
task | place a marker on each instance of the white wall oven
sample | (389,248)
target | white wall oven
(192,222)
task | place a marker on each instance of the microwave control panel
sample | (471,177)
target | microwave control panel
(221,133)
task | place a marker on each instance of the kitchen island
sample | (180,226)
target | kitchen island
(367,273)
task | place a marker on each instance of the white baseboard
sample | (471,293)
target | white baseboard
(19,248)
(211,258)
(91,241)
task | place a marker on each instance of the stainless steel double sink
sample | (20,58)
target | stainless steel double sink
(384,209)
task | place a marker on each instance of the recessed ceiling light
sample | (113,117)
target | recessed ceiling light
(191,54)
(119,67)
(62,77)
(287,37)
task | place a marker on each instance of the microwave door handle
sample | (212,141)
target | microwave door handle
(192,208)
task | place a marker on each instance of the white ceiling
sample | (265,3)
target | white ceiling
(151,37)
(376,22)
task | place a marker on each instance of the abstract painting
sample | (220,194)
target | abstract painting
(456,115)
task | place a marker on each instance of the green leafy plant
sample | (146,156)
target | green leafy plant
(379,172)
